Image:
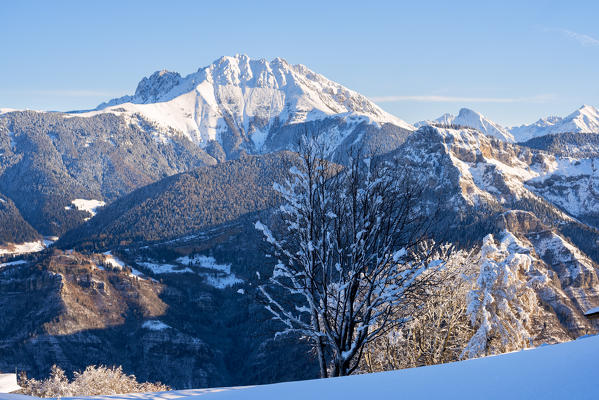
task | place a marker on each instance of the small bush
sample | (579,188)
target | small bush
(95,380)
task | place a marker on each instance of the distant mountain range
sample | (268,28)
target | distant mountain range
(583,120)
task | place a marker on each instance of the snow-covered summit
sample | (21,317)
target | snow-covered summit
(472,119)
(150,90)
(248,96)
(583,120)
(7,110)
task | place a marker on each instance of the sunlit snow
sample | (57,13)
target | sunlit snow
(220,277)
(561,371)
(155,325)
(242,91)
(88,205)
(160,268)
(23,248)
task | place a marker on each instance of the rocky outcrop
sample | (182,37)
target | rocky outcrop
(73,310)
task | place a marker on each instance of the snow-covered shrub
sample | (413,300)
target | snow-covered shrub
(500,305)
(95,380)
(438,328)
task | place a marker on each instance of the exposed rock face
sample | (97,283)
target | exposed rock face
(471,119)
(565,280)
(235,106)
(149,90)
(75,310)
(497,183)
(186,166)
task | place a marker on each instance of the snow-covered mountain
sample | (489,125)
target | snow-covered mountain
(246,104)
(539,197)
(479,170)
(472,119)
(583,120)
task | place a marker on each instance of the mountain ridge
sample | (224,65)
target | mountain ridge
(583,120)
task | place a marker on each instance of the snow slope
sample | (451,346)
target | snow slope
(90,206)
(583,120)
(472,119)
(562,371)
(8,383)
(219,275)
(246,96)
(7,110)
(23,248)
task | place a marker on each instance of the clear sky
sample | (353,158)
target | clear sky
(512,61)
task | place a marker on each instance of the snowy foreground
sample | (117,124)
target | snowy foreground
(562,371)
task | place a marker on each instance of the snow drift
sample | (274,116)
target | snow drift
(562,371)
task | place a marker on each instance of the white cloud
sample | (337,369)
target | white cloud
(73,93)
(585,40)
(63,93)
(459,99)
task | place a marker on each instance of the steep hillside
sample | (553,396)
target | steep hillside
(483,185)
(193,233)
(185,312)
(74,310)
(186,203)
(172,124)
(576,145)
(13,228)
(47,160)
(471,169)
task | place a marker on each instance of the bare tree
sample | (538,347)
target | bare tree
(438,328)
(347,260)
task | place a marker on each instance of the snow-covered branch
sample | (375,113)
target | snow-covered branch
(352,252)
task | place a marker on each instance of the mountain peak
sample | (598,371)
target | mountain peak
(248,98)
(151,88)
(467,111)
(476,120)
(589,110)
(473,119)
(584,120)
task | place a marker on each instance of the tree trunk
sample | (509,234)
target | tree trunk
(321,360)
(322,364)
(341,368)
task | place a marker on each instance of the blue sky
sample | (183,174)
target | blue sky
(513,62)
